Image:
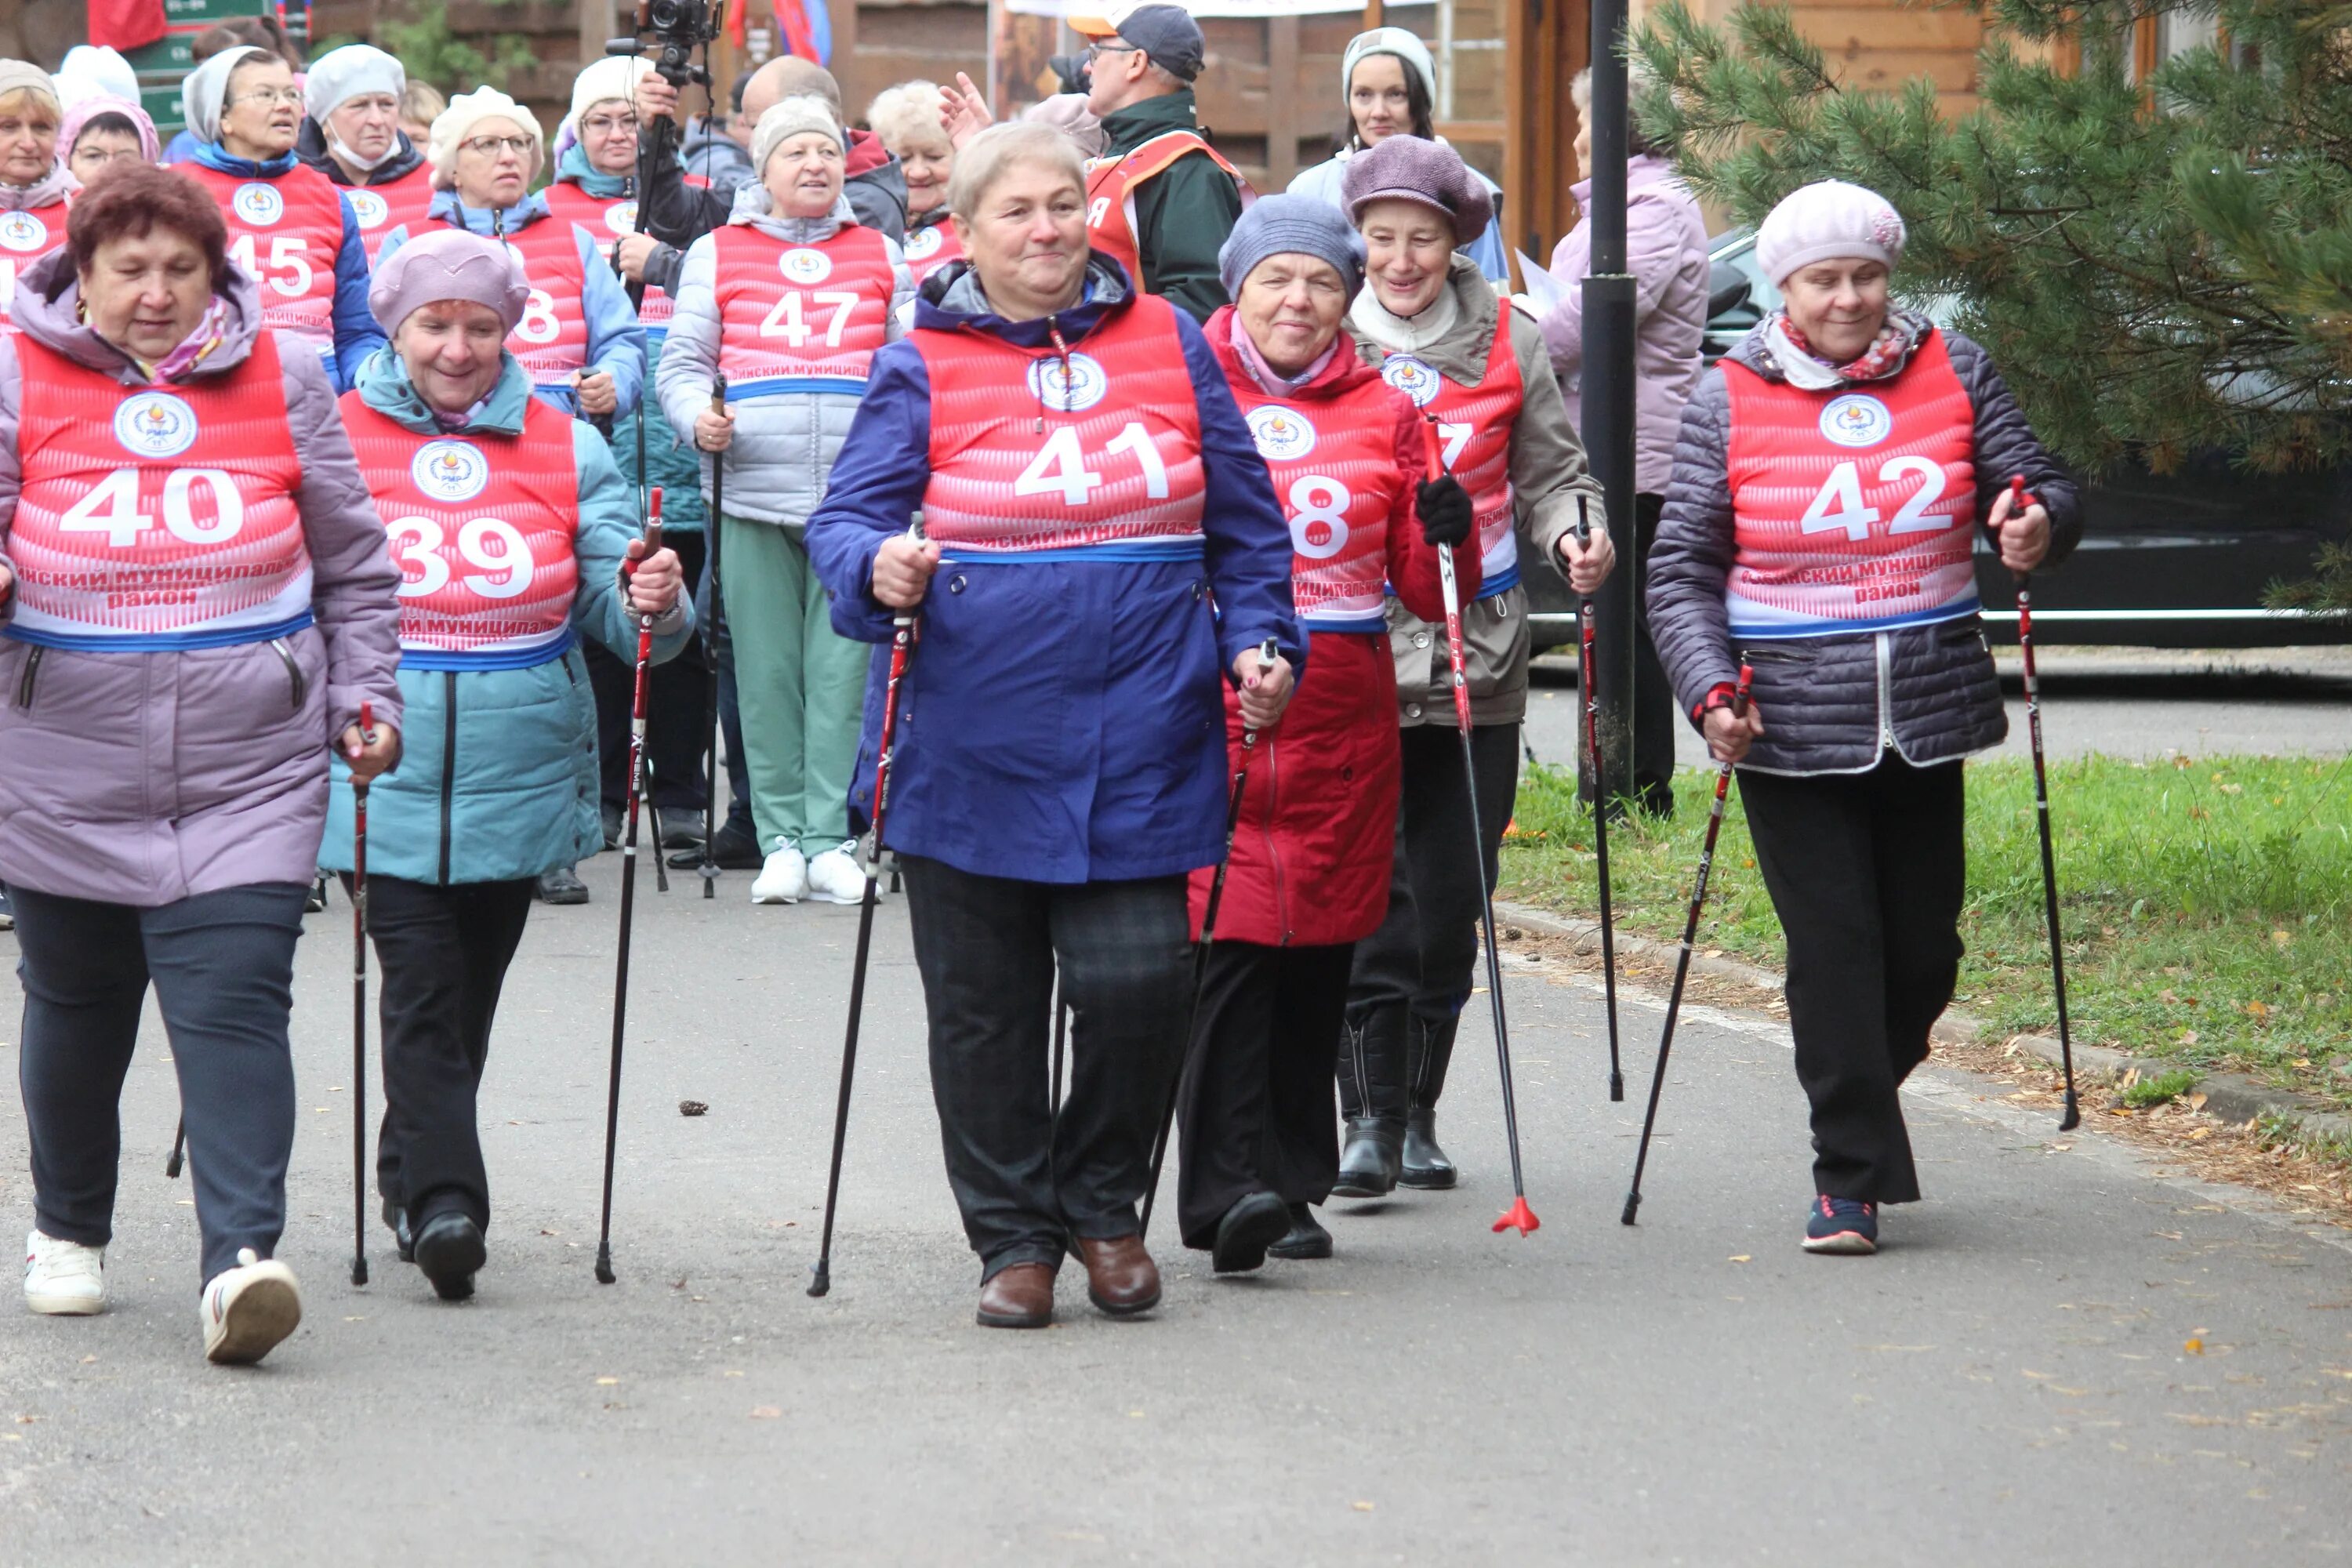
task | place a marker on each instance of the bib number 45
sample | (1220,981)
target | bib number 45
(287,272)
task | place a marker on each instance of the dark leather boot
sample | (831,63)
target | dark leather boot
(1306,1238)
(1373,1098)
(1429,1049)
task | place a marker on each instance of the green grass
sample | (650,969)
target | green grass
(2207,903)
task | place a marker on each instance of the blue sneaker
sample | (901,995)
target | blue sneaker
(1841,1224)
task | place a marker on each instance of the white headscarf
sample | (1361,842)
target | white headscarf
(95,71)
(204,94)
(341,75)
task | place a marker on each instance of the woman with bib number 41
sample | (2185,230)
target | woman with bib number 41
(1830,481)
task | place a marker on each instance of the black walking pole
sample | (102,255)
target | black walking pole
(1586,689)
(179,1138)
(1266,654)
(1608,393)
(1682,963)
(2073,1117)
(359,1007)
(628,887)
(711,814)
(902,642)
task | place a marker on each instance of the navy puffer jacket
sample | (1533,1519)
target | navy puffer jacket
(1834,704)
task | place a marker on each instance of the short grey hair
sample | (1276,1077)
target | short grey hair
(906,112)
(1637,77)
(988,156)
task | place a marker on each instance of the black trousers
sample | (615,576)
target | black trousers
(1655,719)
(222,967)
(1256,1102)
(1866,872)
(1027,1179)
(1423,954)
(444,953)
(676,715)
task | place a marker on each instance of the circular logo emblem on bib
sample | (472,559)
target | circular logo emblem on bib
(924,243)
(449,470)
(1856,419)
(21,231)
(620,218)
(1410,376)
(1083,385)
(1282,434)
(257,203)
(801,265)
(369,208)
(154,425)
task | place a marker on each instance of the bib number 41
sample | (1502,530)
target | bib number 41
(1060,467)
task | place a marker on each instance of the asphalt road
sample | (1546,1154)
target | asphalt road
(2007,1382)
(2124,702)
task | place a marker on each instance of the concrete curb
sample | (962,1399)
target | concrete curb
(2233,1097)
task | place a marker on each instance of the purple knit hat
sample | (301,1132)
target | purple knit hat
(447,264)
(1406,168)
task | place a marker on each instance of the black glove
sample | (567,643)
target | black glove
(1444,509)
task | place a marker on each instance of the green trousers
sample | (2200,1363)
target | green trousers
(801,684)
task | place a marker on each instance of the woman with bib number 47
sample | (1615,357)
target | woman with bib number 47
(1830,480)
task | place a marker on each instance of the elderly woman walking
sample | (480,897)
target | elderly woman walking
(1830,481)
(791,298)
(199,601)
(1103,546)
(1308,875)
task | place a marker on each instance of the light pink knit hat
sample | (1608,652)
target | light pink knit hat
(1827,220)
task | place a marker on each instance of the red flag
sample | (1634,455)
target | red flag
(735,21)
(798,33)
(125,24)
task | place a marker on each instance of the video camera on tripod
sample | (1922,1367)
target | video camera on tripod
(681,28)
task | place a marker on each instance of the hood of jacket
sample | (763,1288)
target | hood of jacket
(213,155)
(1125,129)
(446,208)
(311,147)
(1343,373)
(755,208)
(952,298)
(1754,351)
(48,307)
(383,385)
(49,189)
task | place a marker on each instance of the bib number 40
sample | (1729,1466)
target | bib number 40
(111,508)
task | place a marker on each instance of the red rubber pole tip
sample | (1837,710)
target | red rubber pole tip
(367,717)
(1519,1217)
(1429,448)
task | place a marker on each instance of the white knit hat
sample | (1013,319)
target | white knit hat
(352,71)
(456,122)
(94,70)
(1827,220)
(1401,42)
(608,78)
(787,118)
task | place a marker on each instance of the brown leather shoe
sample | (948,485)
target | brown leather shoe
(1121,1278)
(1018,1296)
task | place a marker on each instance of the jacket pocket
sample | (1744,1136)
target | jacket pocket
(1960,633)
(298,685)
(27,677)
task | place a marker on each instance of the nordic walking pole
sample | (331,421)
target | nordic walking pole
(179,1138)
(2018,502)
(709,867)
(1519,1216)
(359,1007)
(1268,652)
(628,886)
(902,642)
(1682,963)
(1589,692)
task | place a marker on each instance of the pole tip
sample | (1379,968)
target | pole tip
(2074,1117)
(1617,1085)
(604,1275)
(172,1167)
(819,1278)
(359,1269)
(1633,1202)
(1518,1217)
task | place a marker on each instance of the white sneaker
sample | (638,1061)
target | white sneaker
(784,879)
(835,876)
(64,1279)
(249,1308)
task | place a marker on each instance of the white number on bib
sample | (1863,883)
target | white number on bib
(1060,467)
(497,547)
(7,286)
(1454,438)
(1133,438)
(539,324)
(111,508)
(1318,524)
(788,319)
(288,271)
(1839,503)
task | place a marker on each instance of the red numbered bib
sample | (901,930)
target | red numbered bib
(285,232)
(1474,433)
(800,318)
(552,338)
(1851,509)
(930,247)
(158,518)
(403,202)
(27,234)
(1334,466)
(483,529)
(606,219)
(1110,192)
(1115,472)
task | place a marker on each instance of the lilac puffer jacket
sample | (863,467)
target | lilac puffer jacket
(1665,251)
(146,778)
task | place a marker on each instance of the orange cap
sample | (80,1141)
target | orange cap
(1092,27)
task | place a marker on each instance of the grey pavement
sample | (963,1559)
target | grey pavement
(2122,702)
(2007,1382)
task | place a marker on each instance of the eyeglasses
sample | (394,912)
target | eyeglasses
(1093,50)
(603,125)
(272,95)
(491,146)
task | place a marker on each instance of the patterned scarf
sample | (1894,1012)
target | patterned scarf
(1882,358)
(181,364)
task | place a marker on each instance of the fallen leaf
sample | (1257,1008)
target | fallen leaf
(693,1106)
(731,1374)
(1361,1506)
(765,1413)
(2197,1101)
(606,1382)
(1742,1257)
(2257,1009)
(2194,1347)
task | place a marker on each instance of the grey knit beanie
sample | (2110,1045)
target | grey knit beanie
(1291,226)
(1406,168)
(788,117)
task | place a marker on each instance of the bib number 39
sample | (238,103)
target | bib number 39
(498,547)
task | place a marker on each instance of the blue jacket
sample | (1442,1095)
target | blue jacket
(498,768)
(356,333)
(669,462)
(1062,720)
(616,344)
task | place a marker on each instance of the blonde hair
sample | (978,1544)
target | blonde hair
(27,100)
(906,112)
(987,157)
(422,102)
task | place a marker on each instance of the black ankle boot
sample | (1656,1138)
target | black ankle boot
(1372,1097)
(1308,1238)
(1429,1049)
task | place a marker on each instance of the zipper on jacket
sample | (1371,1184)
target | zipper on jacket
(1885,643)
(25,682)
(449,765)
(296,683)
(1272,846)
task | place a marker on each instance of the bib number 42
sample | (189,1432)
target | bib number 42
(1839,503)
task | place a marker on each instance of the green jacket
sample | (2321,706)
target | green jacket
(1183,213)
